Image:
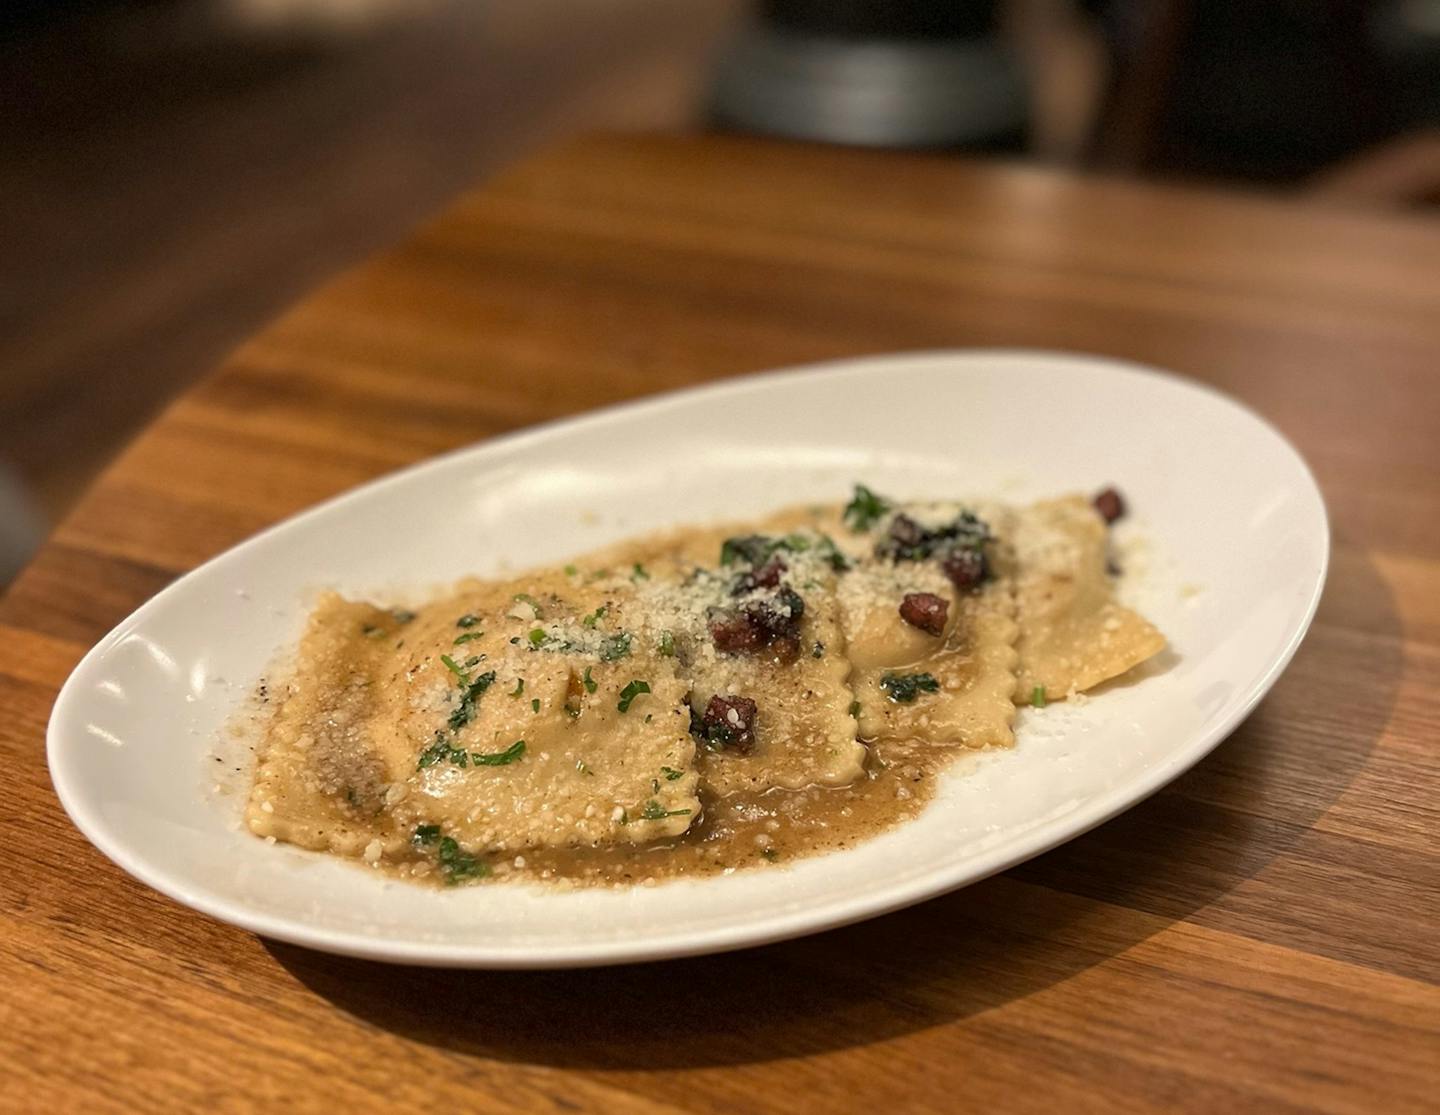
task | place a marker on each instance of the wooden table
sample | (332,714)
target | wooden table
(1260,936)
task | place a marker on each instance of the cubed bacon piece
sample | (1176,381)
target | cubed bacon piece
(965,568)
(770,625)
(926,611)
(766,576)
(727,723)
(1110,504)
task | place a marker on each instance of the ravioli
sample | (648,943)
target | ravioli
(803,732)
(644,705)
(1073,634)
(517,741)
(950,687)
(320,781)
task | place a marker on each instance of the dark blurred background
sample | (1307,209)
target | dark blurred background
(175,171)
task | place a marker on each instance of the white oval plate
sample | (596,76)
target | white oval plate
(1236,558)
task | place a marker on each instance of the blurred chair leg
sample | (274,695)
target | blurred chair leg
(21,527)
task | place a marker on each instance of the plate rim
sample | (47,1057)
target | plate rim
(869,903)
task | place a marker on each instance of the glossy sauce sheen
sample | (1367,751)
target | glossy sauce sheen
(503,730)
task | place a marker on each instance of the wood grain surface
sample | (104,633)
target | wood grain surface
(1260,936)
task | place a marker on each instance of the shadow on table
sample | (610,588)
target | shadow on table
(954,956)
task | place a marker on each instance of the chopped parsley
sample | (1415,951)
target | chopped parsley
(458,865)
(865,509)
(443,750)
(671,773)
(473,660)
(630,692)
(831,553)
(594,617)
(519,687)
(456,669)
(401,615)
(588,682)
(1037,697)
(904,688)
(908,540)
(372,631)
(667,645)
(615,647)
(654,811)
(499,758)
(748,548)
(538,637)
(535,704)
(638,573)
(464,712)
(468,637)
(440,751)
(756,549)
(570,571)
(467,620)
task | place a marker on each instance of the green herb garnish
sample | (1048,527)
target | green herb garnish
(464,712)
(594,617)
(535,705)
(588,682)
(904,688)
(865,509)
(756,549)
(831,553)
(425,834)
(467,620)
(638,573)
(401,615)
(538,638)
(615,647)
(630,692)
(818,650)
(499,758)
(667,645)
(468,637)
(654,811)
(458,865)
(671,773)
(570,571)
(519,687)
(456,669)
(1037,697)
(441,750)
